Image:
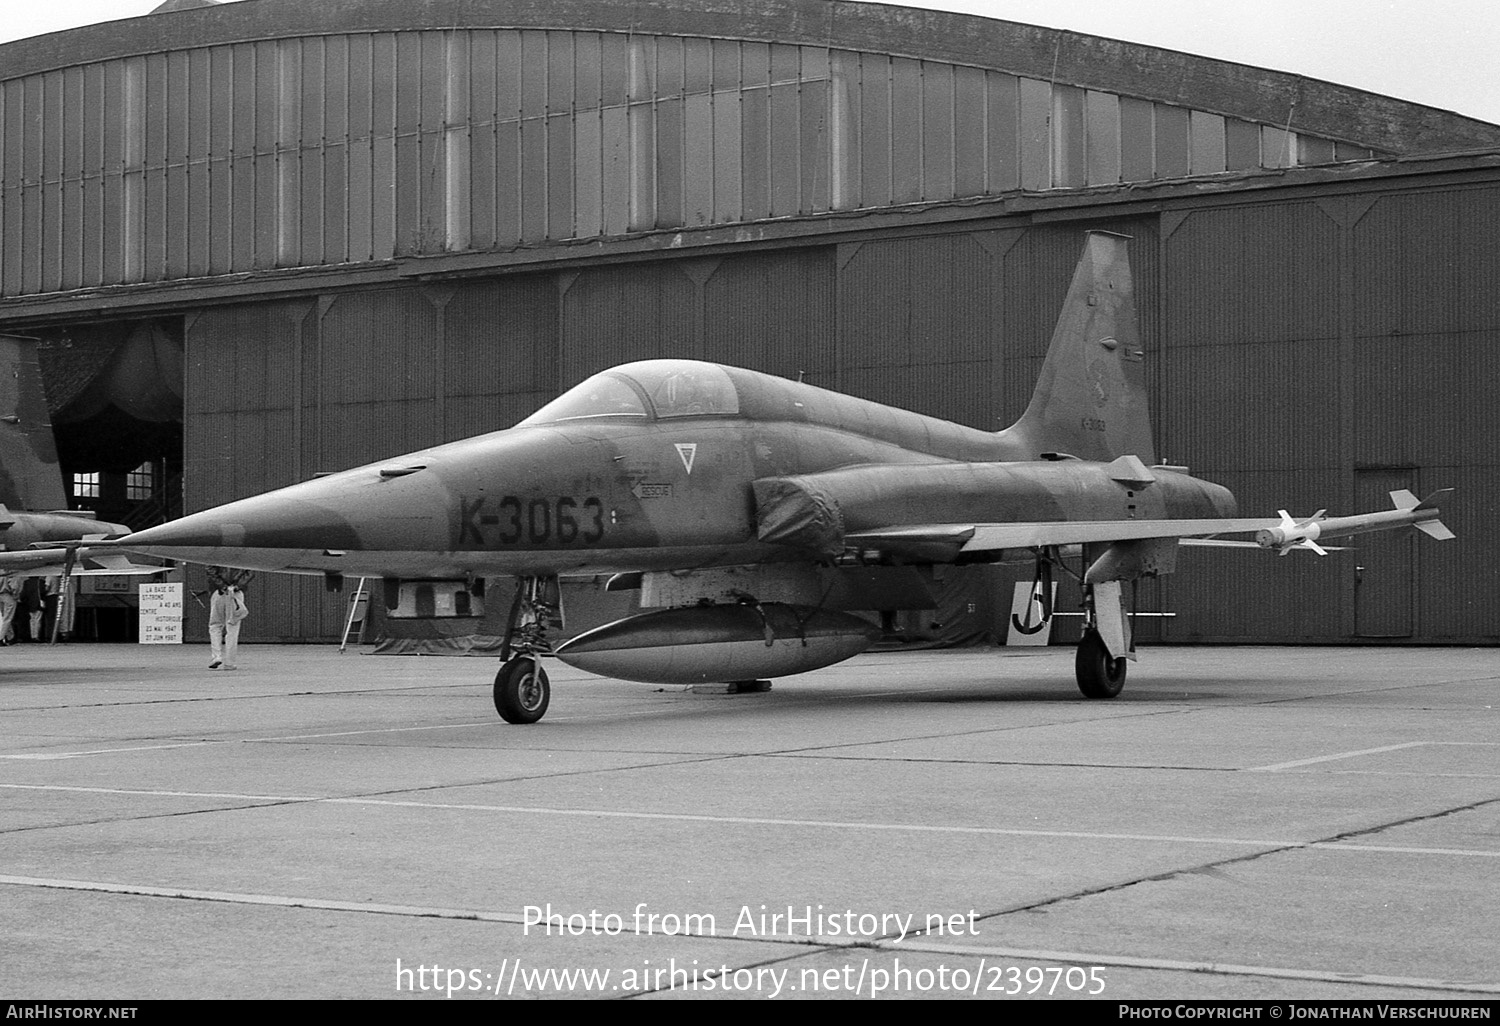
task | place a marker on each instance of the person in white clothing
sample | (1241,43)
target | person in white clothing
(10,593)
(226,611)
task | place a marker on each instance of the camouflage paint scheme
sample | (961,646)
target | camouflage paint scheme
(710,476)
(30,477)
(684,466)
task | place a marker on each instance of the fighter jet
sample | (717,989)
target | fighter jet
(754,513)
(30,478)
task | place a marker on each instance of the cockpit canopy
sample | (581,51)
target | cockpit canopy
(653,388)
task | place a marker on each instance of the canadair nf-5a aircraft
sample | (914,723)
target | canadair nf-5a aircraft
(755,512)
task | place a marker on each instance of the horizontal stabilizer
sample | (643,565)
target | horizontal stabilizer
(103,563)
(87,562)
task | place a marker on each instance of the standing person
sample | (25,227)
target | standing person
(33,604)
(226,610)
(10,597)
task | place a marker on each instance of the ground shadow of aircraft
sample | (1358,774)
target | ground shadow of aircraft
(754,513)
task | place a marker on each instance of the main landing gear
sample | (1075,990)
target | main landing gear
(1099,673)
(1106,630)
(522,690)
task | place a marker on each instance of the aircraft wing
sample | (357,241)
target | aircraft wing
(967,539)
(50,562)
(1282,533)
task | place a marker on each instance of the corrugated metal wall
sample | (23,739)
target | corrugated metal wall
(1314,349)
(250,409)
(338,149)
(279,391)
(1251,358)
(501,354)
(1306,351)
(956,325)
(1426,340)
(771,312)
(904,341)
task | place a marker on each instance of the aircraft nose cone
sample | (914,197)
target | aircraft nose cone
(269,522)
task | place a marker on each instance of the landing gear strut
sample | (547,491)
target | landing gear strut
(522,691)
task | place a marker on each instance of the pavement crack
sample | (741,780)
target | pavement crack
(1425,817)
(816,754)
(1215,867)
(949,735)
(148,817)
(396,792)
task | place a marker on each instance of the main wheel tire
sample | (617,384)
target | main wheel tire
(522,691)
(1099,676)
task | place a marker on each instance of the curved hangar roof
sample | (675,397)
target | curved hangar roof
(280,134)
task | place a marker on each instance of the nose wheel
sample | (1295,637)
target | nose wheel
(522,690)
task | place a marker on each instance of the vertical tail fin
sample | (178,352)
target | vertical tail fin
(1090,400)
(30,477)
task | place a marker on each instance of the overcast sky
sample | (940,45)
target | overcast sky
(1444,53)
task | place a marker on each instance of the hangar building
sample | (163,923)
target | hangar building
(268,239)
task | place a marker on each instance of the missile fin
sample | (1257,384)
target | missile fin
(1403,499)
(1436,499)
(1434,529)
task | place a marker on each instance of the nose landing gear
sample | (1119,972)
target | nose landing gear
(522,690)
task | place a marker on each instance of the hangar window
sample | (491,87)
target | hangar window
(86,486)
(138,483)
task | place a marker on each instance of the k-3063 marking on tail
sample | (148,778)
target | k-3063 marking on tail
(754,512)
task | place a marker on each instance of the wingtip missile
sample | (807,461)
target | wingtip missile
(1294,534)
(1423,515)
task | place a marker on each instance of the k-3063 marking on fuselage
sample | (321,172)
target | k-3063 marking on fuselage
(537,521)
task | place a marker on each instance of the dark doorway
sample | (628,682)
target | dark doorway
(114,392)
